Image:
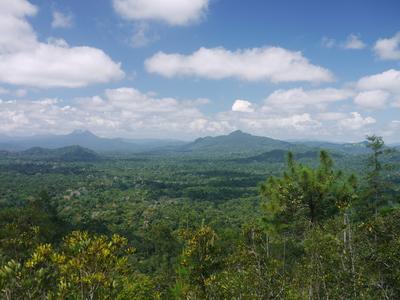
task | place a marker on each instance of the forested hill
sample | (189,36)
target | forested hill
(235,142)
(66,154)
(350,148)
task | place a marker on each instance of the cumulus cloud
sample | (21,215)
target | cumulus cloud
(331,116)
(173,12)
(388,48)
(298,98)
(298,122)
(142,36)
(123,111)
(21,92)
(356,121)
(16,34)
(388,80)
(328,42)
(269,63)
(18,117)
(54,66)
(391,129)
(379,90)
(270,124)
(375,99)
(61,20)
(299,112)
(129,112)
(4,91)
(242,106)
(354,42)
(26,61)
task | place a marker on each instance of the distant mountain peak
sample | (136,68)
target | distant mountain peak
(238,132)
(82,132)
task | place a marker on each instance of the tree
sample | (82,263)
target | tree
(374,194)
(251,271)
(85,267)
(329,267)
(379,247)
(199,261)
(305,197)
(297,207)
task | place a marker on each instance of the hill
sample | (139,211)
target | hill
(235,142)
(349,148)
(65,154)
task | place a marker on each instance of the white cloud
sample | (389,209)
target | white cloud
(4,91)
(173,12)
(354,42)
(21,92)
(142,36)
(269,63)
(26,61)
(128,112)
(391,129)
(375,99)
(15,32)
(53,66)
(26,116)
(277,125)
(331,116)
(122,111)
(297,122)
(388,80)
(61,20)
(298,98)
(328,42)
(356,121)
(242,106)
(388,48)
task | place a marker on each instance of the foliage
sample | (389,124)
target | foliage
(199,226)
(304,197)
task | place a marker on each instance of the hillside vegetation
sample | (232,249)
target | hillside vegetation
(269,224)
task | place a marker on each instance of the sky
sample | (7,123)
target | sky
(287,69)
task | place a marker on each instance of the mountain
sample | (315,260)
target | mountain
(235,142)
(65,154)
(84,139)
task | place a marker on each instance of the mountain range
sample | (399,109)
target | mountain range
(86,139)
(237,142)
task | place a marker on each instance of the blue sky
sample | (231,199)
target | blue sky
(321,70)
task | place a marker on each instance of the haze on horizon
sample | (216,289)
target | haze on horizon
(184,69)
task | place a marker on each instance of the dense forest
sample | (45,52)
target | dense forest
(284,224)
